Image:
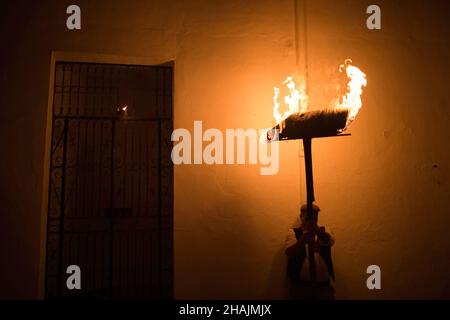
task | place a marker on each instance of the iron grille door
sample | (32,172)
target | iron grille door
(111,182)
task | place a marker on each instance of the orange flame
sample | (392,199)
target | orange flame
(352,98)
(296,100)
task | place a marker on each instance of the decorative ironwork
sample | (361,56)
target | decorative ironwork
(111,182)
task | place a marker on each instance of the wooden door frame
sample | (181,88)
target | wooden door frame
(60,56)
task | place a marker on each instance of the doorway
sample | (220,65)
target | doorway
(110,206)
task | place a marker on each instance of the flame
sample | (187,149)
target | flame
(352,98)
(122,110)
(296,100)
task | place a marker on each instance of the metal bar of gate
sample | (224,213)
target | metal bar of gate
(61,213)
(159,214)
(111,206)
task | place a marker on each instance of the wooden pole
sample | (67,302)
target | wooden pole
(310,199)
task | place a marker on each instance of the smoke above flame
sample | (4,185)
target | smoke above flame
(297,100)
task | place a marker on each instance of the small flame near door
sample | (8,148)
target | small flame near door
(122,110)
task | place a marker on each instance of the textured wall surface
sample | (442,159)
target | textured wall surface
(384,191)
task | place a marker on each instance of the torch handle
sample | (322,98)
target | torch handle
(310,212)
(309,179)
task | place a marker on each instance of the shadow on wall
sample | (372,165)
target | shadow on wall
(289,290)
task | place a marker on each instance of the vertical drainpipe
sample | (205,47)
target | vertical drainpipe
(301,64)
